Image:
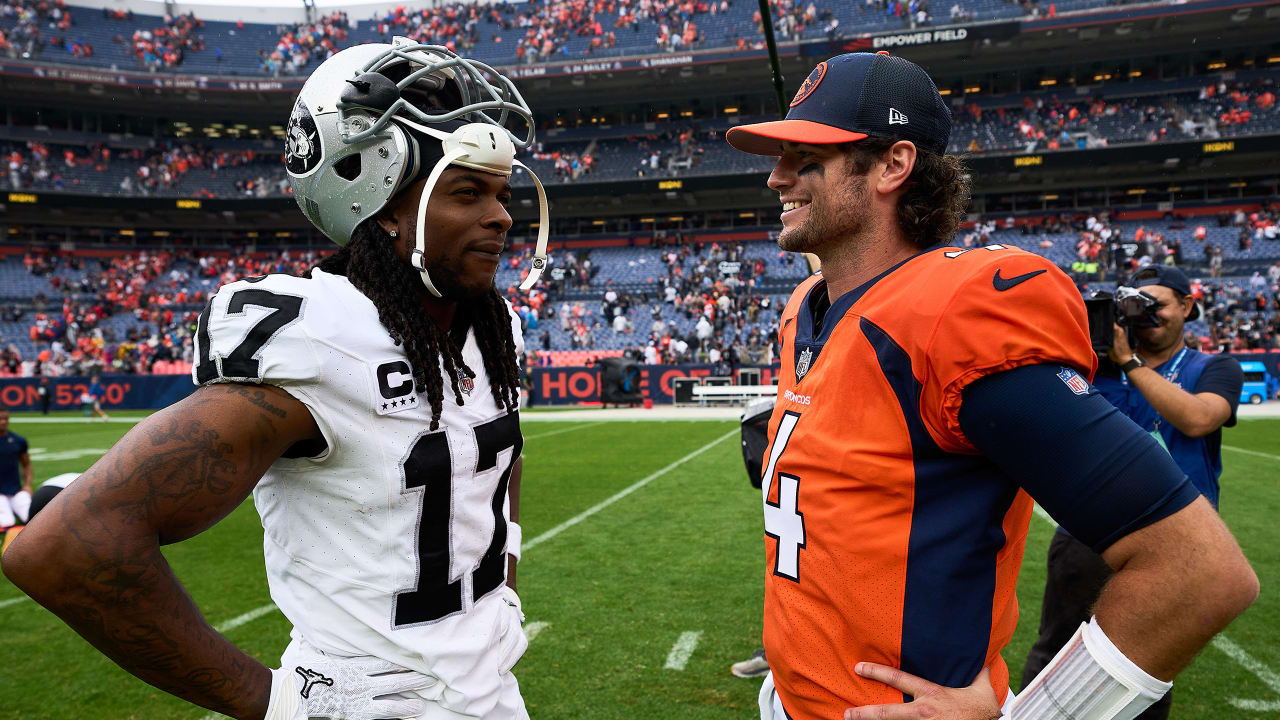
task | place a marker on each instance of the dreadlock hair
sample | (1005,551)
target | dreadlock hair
(371,264)
(935,196)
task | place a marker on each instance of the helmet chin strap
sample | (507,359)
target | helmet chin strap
(483,147)
(418,257)
(544,232)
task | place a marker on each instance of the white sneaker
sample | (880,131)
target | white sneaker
(754,666)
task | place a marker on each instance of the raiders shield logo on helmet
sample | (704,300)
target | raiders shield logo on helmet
(802,364)
(302,149)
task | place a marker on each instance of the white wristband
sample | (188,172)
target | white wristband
(514,538)
(1089,679)
(284,704)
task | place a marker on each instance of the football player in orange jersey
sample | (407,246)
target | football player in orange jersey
(927,395)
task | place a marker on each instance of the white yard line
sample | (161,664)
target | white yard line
(684,647)
(1251,452)
(12,601)
(1232,650)
(549,433)
(1256,705)
(534,629)
(1255,666)
(248,617)
(622,493)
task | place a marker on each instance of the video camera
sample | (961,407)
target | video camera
(1128,307)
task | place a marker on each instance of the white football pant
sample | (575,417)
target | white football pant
(14,508)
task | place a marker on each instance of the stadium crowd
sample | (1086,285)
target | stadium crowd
(708,303)
(1047,122)
(123,314)
(163,47)
(34,165)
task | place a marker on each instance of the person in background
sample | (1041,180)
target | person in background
(96,393)
(43,495)
(46,395)
(1183,398)
(15,491)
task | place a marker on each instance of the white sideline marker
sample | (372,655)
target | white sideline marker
(1253,665)
(534,629)
(622,493)
(12,601)
(684,647)
(1232,650)
(549,433)
(248,617)
(1251,452)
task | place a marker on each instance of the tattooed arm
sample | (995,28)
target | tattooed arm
(93,556)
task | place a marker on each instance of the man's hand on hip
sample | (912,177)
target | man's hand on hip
(932,701)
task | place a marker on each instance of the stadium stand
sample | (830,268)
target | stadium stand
(497,33)
(1196,108)
(73,313)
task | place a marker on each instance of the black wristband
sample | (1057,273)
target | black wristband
(1134,363)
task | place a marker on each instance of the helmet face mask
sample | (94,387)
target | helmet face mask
(349,148)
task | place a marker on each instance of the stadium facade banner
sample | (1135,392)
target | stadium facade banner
(163,81)
(97,76)
(914,38)
(124,392)
(825,48)
(550,386)
(573,385)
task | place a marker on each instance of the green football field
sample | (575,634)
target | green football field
(641,580)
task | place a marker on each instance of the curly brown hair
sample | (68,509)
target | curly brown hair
(935,195)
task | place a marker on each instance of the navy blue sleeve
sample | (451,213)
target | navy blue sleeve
(1090,467)
(1223,376)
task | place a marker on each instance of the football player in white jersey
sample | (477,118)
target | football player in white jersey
(371,409)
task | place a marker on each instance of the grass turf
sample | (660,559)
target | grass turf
(682,553)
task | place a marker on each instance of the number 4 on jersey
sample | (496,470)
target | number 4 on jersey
(782,520)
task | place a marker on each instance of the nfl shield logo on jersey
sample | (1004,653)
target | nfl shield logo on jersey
(1072,379)
(802,365)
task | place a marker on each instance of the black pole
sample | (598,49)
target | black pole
(766,21)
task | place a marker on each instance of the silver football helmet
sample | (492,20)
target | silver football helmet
(348,149)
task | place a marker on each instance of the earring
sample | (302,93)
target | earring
(395,233)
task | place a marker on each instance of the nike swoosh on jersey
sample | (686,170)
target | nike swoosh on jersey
(1003,284)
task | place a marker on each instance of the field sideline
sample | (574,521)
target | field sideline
(641,580)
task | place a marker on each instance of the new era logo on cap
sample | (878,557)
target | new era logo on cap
(846,99)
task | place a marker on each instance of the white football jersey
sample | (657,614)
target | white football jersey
(392,542)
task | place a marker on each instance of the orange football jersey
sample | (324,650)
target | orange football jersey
(888,537)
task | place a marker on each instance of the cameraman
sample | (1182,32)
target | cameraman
(1181,396)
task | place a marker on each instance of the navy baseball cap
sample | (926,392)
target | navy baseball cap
(851,97)
(1167,276)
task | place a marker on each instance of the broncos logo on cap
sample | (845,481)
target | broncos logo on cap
(810,84)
